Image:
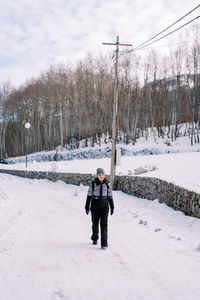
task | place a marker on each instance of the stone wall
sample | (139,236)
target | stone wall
(71,178)
(142,187)
(152,188)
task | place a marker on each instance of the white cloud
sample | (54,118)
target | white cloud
(36,33)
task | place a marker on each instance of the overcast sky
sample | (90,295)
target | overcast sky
(37,33)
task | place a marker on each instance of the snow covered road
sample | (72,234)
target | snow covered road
(46,252)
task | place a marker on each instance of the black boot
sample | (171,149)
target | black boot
(104,247)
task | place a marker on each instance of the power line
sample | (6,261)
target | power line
(167,34)
(167,27)
(167,45)
(141,47)
(158,46)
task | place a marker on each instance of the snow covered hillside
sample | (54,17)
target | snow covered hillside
(152,146)
(46,252)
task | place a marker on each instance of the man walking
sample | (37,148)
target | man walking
(99,199)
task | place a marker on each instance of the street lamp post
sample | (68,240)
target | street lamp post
(27,126)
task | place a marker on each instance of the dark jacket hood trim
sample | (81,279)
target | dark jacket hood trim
(97,181)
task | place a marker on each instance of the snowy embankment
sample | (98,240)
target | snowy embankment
(142,147)
(182,169)
(46,253)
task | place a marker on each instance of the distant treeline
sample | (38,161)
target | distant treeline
(154,91)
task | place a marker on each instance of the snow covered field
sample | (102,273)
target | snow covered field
(46,252)
(180,168)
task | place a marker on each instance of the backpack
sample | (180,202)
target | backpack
(93,187)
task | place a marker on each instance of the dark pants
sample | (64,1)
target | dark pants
(102,216)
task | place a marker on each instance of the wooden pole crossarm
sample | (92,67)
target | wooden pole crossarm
(109,44)
(126,45)
(114,44)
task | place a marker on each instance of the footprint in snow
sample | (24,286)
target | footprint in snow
(121,262)
(3,195)
(157,229)
(57,295)
(177,238)
(198,248)
(143,222)
(134,215)
(75,193)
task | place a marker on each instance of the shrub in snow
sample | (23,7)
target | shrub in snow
(167,142)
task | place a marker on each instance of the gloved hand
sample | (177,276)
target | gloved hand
(87,211)
(111,211)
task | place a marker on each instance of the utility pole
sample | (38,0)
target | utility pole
(114,113)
